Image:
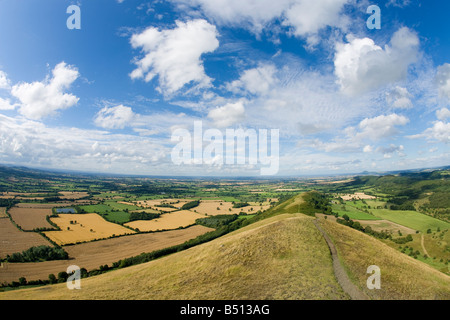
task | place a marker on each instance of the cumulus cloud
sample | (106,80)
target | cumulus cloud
(399,98)
(174,55)
(381,127)
(440,131)
(40,99)
(258,80)
(362,66)
(117,117)
(443,114)
(307,18)
(228,114)
(355,139)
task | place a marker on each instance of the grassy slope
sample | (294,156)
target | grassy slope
(282,257)
(402,277)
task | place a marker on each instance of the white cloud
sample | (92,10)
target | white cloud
(40,99)
(254,15)
(5,104)
(362,66)
(399,98)
(440,131)
(296,100)
(228,114)
(32,143)
(355,139)
(305,17)
(381,126)
(116,117)
(174,55)
(4,81)
(443,114)
(308,17)
(443,80)
(258,80)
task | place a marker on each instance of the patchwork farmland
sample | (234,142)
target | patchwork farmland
(103,228)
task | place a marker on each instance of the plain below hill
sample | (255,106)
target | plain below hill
(281,257)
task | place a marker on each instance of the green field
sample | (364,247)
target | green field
(352,212)
(412,219)
(96,208)
(117,217)
(121,206)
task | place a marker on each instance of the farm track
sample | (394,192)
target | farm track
(339,271)
(422,240)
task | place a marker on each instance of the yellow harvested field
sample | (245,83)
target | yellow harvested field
(43,205)
(127,203)
(356,196)
(85,227)
(386,225)
(177,203)
(167,221)
(216,207)
(13,240)
(73,194)
(31,218)
(3,212)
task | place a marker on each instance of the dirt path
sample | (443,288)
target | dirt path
(341,275)
(423,246)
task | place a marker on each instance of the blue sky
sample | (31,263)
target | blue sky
(108,97)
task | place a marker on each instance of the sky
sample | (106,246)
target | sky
(112,95)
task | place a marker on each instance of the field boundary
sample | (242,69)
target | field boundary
(344,281)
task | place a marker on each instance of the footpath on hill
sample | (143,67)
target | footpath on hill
(344,281)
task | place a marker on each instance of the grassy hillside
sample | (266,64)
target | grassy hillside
(283,257)
(402,277)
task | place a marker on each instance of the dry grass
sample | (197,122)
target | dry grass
(3,212)
(402,277)
(167,221)
(30,218)
(88,227)
(284,257)
(13,240)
